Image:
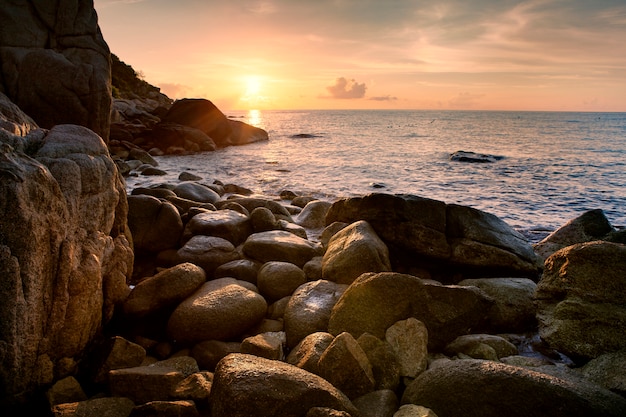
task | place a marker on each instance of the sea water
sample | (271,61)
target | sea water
(554,166)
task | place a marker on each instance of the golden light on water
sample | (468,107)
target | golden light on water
(255,118)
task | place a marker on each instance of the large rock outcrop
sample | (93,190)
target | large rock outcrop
(55,64)
(451,241)
(581,300)
(65,250)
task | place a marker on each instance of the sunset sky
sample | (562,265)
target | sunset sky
(394,54)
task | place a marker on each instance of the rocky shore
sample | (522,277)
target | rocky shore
(201,298)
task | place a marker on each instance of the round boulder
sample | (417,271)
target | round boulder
(246,385)
(309,308)
(196,192)
(219,310)
(227,224)
(155,225)
(208,252)
(278,245)
(164,289)
(279,279)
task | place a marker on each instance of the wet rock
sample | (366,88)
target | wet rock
(250,203)
(210,352)
(166,409)
(473,157)
(241,269)
(266,345)
(244,134)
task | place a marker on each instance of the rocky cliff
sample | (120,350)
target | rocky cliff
(55,64)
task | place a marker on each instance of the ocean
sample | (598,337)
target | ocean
(554,166)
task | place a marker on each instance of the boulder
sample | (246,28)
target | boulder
(307,353)
(196,387)
(263,220)
(313,215)
(279,279)
(210,352)
(227,224)
(167,288)
(203,115)
(374,302)
(155,224)
(107,406)
(381,403)
(250,203)
(194,191)
(309,309)
(473,157)
(474,345)
(409,341)
(412,410)
(278,245)
(581,300)
(220,310)
(244,134)
(115,353)
(345,365)
(56,65)
(153,382)
(543,394)
(65,252)
(207,252)
(385,363)
(514,309)
(266,345)
(609,371)
(246,386)
(589,226)
(353,251)
(451,241)
(241,269)
(168,135)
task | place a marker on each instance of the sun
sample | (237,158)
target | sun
(253,96)
(253,86)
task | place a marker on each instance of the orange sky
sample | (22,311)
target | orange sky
(397,54)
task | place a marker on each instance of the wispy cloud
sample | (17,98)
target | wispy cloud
(383,98)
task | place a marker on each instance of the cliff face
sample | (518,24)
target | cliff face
(65,249)
(55,64)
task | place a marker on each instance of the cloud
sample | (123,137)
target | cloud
(383,98)
(346,89)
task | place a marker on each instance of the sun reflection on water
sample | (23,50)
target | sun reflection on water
(255,118)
